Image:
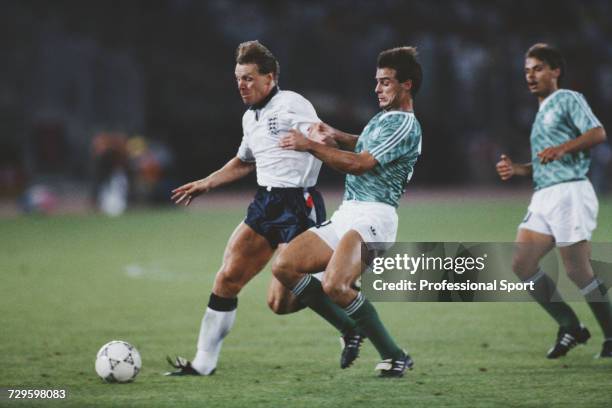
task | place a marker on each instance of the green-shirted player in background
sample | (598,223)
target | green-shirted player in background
(378,164)
(563,209)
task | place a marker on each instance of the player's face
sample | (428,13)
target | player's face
(252,85)
(389,90)
(541,78)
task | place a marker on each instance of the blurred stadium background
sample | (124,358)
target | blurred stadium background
(86,87)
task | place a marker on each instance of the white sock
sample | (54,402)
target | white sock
(215,326)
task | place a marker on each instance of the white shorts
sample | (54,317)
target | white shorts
(567,211)
(375,222)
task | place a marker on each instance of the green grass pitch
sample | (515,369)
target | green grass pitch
(72,283)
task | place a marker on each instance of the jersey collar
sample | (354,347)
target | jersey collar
(547,99)
(397,110)
(265,100)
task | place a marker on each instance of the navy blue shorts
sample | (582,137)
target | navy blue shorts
(281,214)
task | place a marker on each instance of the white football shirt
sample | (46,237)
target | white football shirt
(263,129)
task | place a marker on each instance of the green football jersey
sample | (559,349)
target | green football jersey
(563,115)
(394,139)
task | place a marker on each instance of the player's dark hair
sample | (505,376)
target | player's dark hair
(253,52)
(550,55)
(403,60)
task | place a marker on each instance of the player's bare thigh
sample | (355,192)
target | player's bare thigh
(245,255)
(577,261)
(531,247)
(344,269)
(306,253)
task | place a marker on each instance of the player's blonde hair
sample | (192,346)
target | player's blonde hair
(254,52)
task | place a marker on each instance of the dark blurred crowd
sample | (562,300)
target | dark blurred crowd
(165,69)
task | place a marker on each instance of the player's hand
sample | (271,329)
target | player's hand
(551,153)
(187,192)
(504,167)
(294,140)
(322,133)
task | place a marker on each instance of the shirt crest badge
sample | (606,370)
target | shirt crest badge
(548,118)
(273,125)
(375,133)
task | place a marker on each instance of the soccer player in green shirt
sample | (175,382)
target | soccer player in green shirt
(378,165)
(563,209)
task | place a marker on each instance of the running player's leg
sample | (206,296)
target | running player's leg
(297,267)
(576,259)
(531,247)
(245,255)
(293,267)
(280,299)
(343,270)
(304,255)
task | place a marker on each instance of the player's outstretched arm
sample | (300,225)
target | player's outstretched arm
(323,133)
(343,161)
(585,141)
(233,170)
(506,169)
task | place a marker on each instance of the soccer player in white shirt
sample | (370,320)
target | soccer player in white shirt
(285,204)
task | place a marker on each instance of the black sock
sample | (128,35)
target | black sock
(596,296)
(545,293)
(222,304)
(369,323)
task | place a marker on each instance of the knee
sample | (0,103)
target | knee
(282,304)
(335,289)
(522,268)
(283,268)
(229,281)
(277,306)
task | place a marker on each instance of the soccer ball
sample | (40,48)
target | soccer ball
(118,361)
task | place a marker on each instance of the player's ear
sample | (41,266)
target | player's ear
(270,77)
(407,85)
(556,73)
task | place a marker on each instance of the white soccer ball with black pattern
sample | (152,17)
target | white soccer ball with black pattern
(118,361)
